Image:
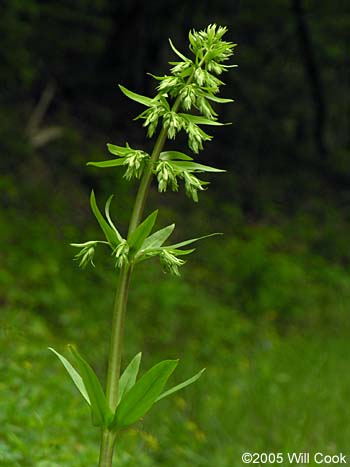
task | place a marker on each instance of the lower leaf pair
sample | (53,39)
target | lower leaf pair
(135,397)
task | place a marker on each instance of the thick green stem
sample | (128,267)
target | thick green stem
(121,299)
(107,448)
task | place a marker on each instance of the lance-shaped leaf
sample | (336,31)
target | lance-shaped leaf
(109,232)
(120,151)
(188,242)
(174,155)
(141,232)
(178,252)
(109,163)
(220,100)
(157,239)
(100,412)
(76,378)
(184,58)
(180,386)
(193,167)
(137,402)
(128,378)
(198,120)
(107,206)
(137,97)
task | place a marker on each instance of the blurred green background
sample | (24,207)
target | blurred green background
(265,307)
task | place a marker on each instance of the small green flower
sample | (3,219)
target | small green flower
(192,185)
(86,254)
(199,76)
(165,175)
(173,122)
(205,108)
(182,68)
(152,115)
(196,136)
(188,96)
(168,82)
(135,162)
(170,262)
(121,253)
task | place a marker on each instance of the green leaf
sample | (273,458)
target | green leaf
(101,414)
(174,155)
(220,100)
(180,386)
(188,242)
(194,167)
(107,206)
(198,120)
(107,164)
(137,97)
(157,239)
(128,378)
(109,232)
(141,232)
(120,151)
(185,59)
(76,378)
(177,252)
(137,402)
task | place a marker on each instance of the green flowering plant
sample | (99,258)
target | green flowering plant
(184,102)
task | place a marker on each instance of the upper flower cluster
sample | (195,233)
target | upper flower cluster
(192,84)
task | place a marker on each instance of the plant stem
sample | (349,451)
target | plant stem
(120,302)
(146,181)
(107,448)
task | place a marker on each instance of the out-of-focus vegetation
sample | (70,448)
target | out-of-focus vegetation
(265,307)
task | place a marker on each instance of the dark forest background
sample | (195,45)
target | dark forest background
(264,308)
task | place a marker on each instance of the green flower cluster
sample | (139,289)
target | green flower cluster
(135,160)
(139,246)
(193,84)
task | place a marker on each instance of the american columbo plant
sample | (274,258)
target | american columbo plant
(184,102)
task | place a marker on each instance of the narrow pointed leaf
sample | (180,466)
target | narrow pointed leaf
(108,203)
(180,386)
(120,151)
(137,402)
(137,97)
(220,100)
(174,155)
(140,234)
(76,378)
(177,252)
(198,120)
(128,378)
(107,164)
(177,52)
(110,234)
(193,166)
(101,414)
(157,239)
(188,242)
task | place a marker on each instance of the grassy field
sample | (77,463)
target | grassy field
(271,395)
(272,331)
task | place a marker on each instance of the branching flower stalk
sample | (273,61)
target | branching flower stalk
(193,85)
